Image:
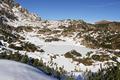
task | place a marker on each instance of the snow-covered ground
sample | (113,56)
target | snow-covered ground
(58,48)
(11,70)
(54,51)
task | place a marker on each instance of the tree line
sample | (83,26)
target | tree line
(37,63)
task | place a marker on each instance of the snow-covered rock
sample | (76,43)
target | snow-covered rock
(18,16)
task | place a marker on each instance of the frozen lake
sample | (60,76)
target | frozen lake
(58,47)
(63,48)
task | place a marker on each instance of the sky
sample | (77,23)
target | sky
(88,10)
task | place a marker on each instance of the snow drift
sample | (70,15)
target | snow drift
(11,70)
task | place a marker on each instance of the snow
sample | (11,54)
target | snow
(56,48)
(64,62)
(118,59)
(57,23)
(11,70)
(23,18)
(63,48)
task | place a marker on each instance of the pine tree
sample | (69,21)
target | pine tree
(36,62)
(25,59)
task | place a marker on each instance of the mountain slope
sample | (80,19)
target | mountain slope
(14,15)
(11,70)
(82,46)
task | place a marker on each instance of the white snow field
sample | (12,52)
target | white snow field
(56,47)
(11,70)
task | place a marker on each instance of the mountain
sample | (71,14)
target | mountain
(103,22)
(61,48)
(13,14)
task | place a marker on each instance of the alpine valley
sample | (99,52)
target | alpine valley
(59,49)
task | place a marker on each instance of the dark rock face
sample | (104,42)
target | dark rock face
(1,43)
(11,3)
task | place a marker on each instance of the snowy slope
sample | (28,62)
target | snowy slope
(53,54)
(11,70)
(18,16)
(57,48)
(22,17)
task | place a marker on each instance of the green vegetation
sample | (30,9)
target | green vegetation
(24,28)
(100,57)
(72,54)
(15,47)
(52,39)
(111,73)
(89,53)
(27,46)
(85,61)
(102,39)
(33,62)
(75,56)
(42,31)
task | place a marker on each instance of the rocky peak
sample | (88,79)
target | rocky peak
(11,3)
(103,22)
(15,15)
